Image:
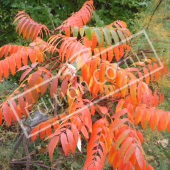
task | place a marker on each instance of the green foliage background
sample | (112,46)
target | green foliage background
(56,11)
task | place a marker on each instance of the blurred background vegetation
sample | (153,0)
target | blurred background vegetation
(139,15)
(43,11)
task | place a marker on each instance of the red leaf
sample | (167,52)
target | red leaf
(84,132)
(144,118)
(24,57)
(45,84)
(28,98)
(139,158)
(153,119)
(34,64)
(94,41)
(138,115)
(165,69)
(64,86)
(121,165)
(54,85)
(7,50)
(76,135)
(125,146)
(120,113)
(121,137)
(5,68)
(93,67)
(103,54)
(67,30)
(124,87)
(133,158)
(23,105)
(2,50)
(102,72)
(155,100)
(17,112)
(112,153)
(11,62)
(96,89)
(103,109)
(53,143)
(116,51)
(140,136)
(120,105)
(65,144)
(129,152)
(110,54)
(7,113)
(92,108)
(34,79)
(56,125)
(129,166)
(23,68)
(42,130)
(130,112)
(163,121)
(18,60)
(149,167)
(34,93)
(25,74)
(39,54)
(70,140)
(116,160)
(155,67)
(32,55)
(48,129)
(118,124)
(133,89)
(34,133)
(146,75)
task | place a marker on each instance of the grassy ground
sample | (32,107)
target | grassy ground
(156,24)
(7,140)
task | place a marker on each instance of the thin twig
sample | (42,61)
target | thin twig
(17,143)
(160,41)
(27,153)
(154,13)
(34,163)
(15,160)
(51,18)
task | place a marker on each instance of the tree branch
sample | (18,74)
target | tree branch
(154,13)
(25,142)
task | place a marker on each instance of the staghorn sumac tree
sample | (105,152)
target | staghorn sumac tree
(105,108)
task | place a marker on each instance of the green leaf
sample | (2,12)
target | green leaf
(99,35)
(115,37)
(82,31)
(88,33)
(121,137)
(107,36)
(92,30)
(122,37)
(75,31)
(129,152)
